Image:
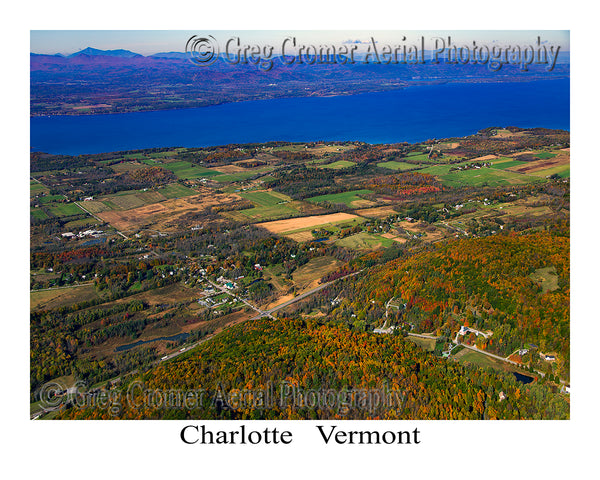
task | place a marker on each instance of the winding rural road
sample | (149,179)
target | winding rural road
(301,296)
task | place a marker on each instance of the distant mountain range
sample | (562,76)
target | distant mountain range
(121,53)
(114,81)
(107,53)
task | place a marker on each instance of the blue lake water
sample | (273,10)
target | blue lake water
(413,114)
(523,378)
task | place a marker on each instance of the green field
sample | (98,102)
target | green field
(175,190)
(187,170)
(364,241)
(339,164)
(50,198)
(419,157)
(124,202)
(427,344)
(289,148)
(479,359)
(261,214)
(36,188)
(59,297)
(168,154)
(266,198)
(127,166)
(80,223)
(350,199)
(562,171)
(492,177)
(399,166)
(547,278)
(236,177)
(314,269)
(96,206)
(505,163)
(65,210)
(38,214)
(133,156)
(545,155)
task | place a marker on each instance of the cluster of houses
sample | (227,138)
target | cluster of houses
(86,233)
(385,330)
(228,284)
(469,166)
(210,303)
(464,330)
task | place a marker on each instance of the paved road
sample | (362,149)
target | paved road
(60,288)
(243,300)
(497,357)
(302,296)
(502,359)
(422,336)
(451,227)
(88,212)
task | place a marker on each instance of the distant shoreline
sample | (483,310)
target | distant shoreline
(80,111)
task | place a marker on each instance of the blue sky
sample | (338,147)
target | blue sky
(148,42)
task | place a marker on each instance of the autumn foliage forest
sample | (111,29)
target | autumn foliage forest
(311,359)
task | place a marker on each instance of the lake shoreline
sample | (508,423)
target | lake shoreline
(475,81)
(394,116)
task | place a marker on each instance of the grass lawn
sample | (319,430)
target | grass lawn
(560,170)
(273,274)
(134,199)
(365,241)
(59,297)
(236,177)
(545,155)
(50,198)
(65,210)
(492,177)
(339,164)
(505,163)
(265,198)
(427,344)
(259,214)
(351,199)
(133,156)
(479,359)
(38,214)
(420,157)
(187,170)
(127,166)
(124,202)
(96,206)
(168,154)
(547,278)
(313,270)
(289,148)
(399,166)
(175,190)
(36,188)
